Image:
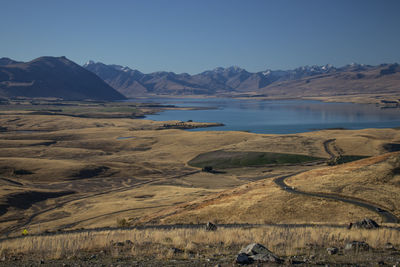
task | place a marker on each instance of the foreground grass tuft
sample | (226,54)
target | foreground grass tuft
(159,243)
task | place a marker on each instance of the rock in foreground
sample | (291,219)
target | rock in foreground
(364,224)
(256,252)
(211,227)
(332,250)
(356,246)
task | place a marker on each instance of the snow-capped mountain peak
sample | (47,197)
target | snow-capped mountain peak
(267,72)
(90,62)
(234,69)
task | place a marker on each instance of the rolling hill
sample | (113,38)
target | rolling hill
(373,180)
(52,77)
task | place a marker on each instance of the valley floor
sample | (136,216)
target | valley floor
(64,170)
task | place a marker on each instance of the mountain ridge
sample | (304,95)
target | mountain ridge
(52,77)
(235,80)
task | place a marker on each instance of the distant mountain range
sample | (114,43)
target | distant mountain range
(382,81)
(62,78)
(132,83)
(52,77)
(303,81)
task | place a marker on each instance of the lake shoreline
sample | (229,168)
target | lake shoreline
(376,99)
(275,116)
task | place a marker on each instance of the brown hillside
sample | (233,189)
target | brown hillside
(374,180)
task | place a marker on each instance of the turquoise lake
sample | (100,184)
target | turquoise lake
(277,116)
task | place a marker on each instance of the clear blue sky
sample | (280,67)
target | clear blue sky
(193,36)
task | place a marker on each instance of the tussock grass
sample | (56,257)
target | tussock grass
(158,243)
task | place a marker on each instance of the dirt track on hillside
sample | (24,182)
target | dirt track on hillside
(385,215)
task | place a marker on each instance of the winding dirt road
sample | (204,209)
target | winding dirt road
(385,215)
(326,147)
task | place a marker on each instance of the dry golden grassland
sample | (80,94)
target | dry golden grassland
(225,241)
(145,176)
(261,202)
(375,180)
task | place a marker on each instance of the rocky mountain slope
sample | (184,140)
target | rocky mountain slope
(308,81)
(52,77)
(382,81)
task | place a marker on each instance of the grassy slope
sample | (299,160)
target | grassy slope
(261,202)
(374,179)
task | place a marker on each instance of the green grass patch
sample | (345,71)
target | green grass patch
(345,159)
(221,159)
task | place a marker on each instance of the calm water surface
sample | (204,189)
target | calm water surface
(277,116)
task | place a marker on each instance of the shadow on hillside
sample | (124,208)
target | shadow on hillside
(26,199)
